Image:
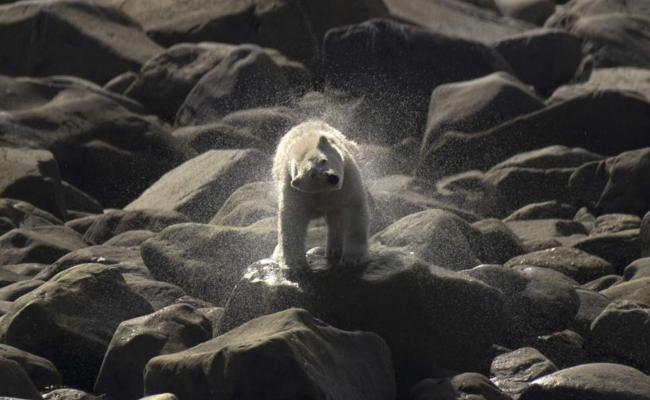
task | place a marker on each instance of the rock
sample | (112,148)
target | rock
(124,259)
(572,262)
(512,372)
(535,229)
(619,248)
(551,157)
(604,79)
(78,200)
(286,339)
(8,277)
(543,210)
(81,224)
(478,104)
(68,394)
(40,244)
(536,304)
(200,186)
(129,238)
(231,85)
(498,242)
(644,235)
(14,290)
(610,223)
(620,333)
(26,270)
(19,214)
(161,396)
(40,370)
(121,82)
(248,204)
(592,304)
(110,41)
(533,11)
(32,176)
(565,348)
(603,282)
(115,222)
(468,385)
(216,136)
(102,142)
(615,39)
(637,269)
(585,121)
(597,381)
(165,79)
(437,236)
(396,66)
(637,290)
(567,15)
(206,260)
(544,58)
(408,302)
(614,185)
(78,310)
(15,382)
(135,341)
(455,18)
(158,294)
(517,187)
(250,22)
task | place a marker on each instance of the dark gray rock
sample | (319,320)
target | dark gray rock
(233,85)
(19,214)
(32,176)
(71,319)
(618,78)
(619,248)
(592,304)
(276,352)
(543,210)
(121,82)
(115,222)
(248,204)
(637,269)
(536,229)
(110,41)
(565,348)
(637,290)
(69,394)
(550,157)
(544,58)
(16,382)
(129,238)
(40,370)
(597,381)
(468,385)
(572,262)
(14,290)
(533,11)
(200,195)
(513,371)
(610,223)
(603,282)
(498,242)
(158,294)
(206,260)
(40,244)
(136,341)
(79,201)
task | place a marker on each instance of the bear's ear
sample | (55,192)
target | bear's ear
(322,141)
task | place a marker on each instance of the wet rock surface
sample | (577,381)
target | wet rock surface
(503,143)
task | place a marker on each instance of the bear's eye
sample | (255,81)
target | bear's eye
(322,161)
(313,174)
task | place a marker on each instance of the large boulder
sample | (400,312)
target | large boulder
(533,11)
(58,31)
(71,319)
(416,307)
(233,85)
(396,66)
(586,121)
(537,303)
(248,204)
(620,333)
(596,381)
(617,78)
(273,356)
(513,371)
(41,244)
(576,264)
(114,222)
(616,184)
(618,248)
(550,158)
(199,187)
(206,260)
(258,21)
(543,210)
(437,236)
(478,104)
(470,385)
(16,382)
(32,176)
(136,341)
(103,143)
(40,370)
(20,214)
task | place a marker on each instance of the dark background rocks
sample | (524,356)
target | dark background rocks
(504,146)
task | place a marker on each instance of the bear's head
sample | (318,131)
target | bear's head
(319,170)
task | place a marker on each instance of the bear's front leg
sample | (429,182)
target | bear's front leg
(355,235)
(334,235)
(292,230)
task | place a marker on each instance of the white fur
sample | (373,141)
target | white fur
(317,176)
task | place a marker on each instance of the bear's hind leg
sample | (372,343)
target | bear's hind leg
(355,235)
(334,236)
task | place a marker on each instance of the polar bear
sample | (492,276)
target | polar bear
(317,176)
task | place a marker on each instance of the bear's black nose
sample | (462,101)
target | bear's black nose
(333,179)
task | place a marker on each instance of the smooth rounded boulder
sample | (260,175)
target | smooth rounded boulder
(273,356)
